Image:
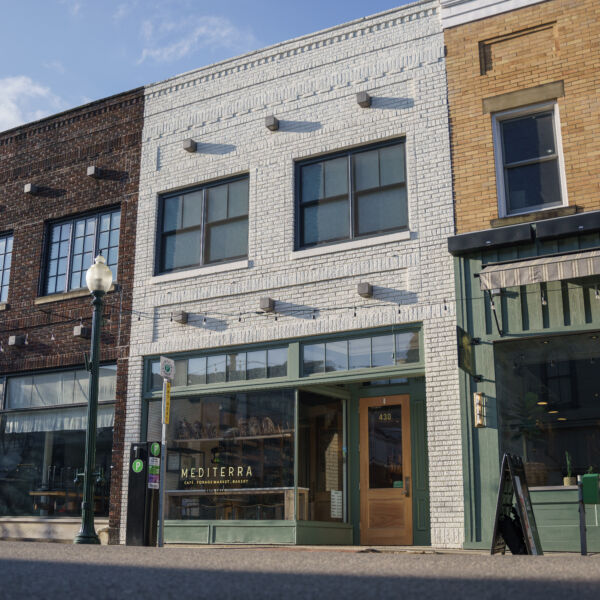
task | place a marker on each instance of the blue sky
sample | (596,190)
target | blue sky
(57,54)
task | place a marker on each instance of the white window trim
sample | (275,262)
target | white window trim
(497,118)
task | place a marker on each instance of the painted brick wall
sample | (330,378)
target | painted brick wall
(310,85)
(54,155)
(550,41)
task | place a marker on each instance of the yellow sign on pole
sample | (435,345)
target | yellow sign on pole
(167,412)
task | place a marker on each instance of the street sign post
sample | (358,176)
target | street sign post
(167,372)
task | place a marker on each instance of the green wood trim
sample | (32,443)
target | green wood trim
(257,532)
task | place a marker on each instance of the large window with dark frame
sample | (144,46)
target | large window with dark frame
(72,246)
(6,245)
(353,194)
(529,167)
(203,225)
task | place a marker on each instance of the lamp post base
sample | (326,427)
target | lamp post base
(86,538)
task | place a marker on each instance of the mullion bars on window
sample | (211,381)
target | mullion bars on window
(530,161)
(73,245)
(204,225)
(358,194)
(6,243)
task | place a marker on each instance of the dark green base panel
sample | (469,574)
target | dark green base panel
(557,518)
(258,532)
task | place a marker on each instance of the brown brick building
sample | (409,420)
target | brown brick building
(523,81)
(55,214)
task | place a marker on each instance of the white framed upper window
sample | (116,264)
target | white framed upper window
(530,173)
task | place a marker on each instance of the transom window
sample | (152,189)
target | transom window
(73,245)
(6,244)
(358,193)
(204,225)
(528,160)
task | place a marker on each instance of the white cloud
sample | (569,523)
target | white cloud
(74,6)
(172,40)
(123,10)
(23,100)
(54,65)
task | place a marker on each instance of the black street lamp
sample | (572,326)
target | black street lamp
(98,279)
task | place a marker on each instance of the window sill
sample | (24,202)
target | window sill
(207,270)
(66,296)
(537,215)
(4,306)
(343,246)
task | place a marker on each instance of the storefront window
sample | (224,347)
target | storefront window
(220,368)
(361,353)
(320,458)
(230,456)
(42,443)
(548,399)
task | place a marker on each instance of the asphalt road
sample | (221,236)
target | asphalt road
(38,570)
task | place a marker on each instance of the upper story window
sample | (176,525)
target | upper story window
(529,162)
(204,225)
(73,245)
(6,244)
(354,194)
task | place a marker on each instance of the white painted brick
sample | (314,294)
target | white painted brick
(310,85)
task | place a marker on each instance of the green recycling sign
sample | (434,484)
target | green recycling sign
(167,368)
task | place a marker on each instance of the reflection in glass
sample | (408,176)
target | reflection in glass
(385,446)
(382,351)
(40,453)
(549,404)
(407,347)
(277,362)
(235,452)
(314,359)
(336,354)
(196,370)
(256,364)
(215,369)
(359,352)
(236,366)
(320,468)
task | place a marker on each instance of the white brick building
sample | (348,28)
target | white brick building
(310,85)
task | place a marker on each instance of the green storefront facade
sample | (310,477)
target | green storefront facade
(528,316)
(265,448)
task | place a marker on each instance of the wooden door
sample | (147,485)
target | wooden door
(385,471)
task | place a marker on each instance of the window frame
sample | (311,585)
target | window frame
(202,227)
(6,236)
(43,286)
(501,186)
(351,195)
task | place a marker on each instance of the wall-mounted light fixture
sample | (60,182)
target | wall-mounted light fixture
(272,122)
(189,145)
(267,304)
(30,188)
(82,332)
(16,340)
(478,409)
(180,317)
(363,99)
(364,289)
(94,171)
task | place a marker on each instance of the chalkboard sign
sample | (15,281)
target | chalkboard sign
(514,526)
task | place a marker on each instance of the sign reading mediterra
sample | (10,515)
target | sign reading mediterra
(204,472)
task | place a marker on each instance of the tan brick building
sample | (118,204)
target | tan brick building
(523,81)
(507,61)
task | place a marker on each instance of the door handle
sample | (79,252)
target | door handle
(407,486)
